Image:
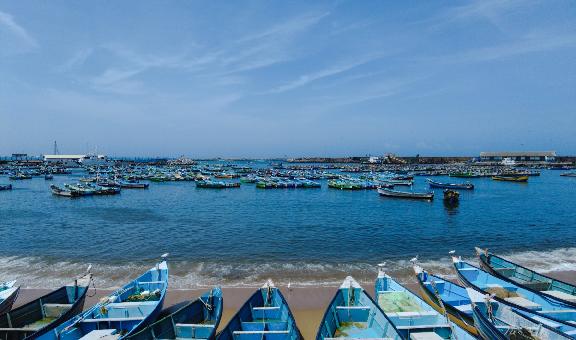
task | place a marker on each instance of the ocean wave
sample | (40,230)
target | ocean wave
(37,272)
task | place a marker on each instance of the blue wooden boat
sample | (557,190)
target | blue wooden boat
(500,321)
(5,187)
(265,315)
(41,315)
(197,319)
(460,186)
(507,292)
(8,294)
(526,278)
(442,294)
(412,316)
(123,313)
(428,196)
(353,314)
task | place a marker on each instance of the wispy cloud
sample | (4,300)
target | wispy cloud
(17,32)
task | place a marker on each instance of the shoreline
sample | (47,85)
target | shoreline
(306,303)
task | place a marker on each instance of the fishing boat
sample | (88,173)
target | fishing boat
(412,316)
(20,176)
(58,191)
(39,316)
(451,196)
(217,184)
(265,315)
(568,174)
(406,194)
(5,187)
(464,174)
(352,314)
(446,297)
(197,319)
(121,314)
(495,320)
(518,297)
(526,278)
(8,294)
(453,186)
(510,178)
(401,182)
(131,184)
(48,177)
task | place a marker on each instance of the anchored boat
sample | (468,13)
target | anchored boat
(352,314)
(197,319)
(526,278)
(460,186)
(265,315)
(406,194)
(412,316)
(40,316)
(511,178)
(123,313)
(8,294)
(5,187)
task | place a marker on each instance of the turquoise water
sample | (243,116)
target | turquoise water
(305,236)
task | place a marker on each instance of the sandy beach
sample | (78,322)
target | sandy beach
(307,303)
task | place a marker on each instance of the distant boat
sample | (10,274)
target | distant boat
(265,315)
(132,185)
(41,315)
(352,314)
(48,177)
(58,191)
(8,294)
(468,174)
(217,184)
(462,186)
(412,316)
(496,320)
(19,176)
(510,178)
(5,187)
(406,194)
(527,278)
(568,174)
(121,314)
(439,292)
(451,196)
(513,294)
(197,319)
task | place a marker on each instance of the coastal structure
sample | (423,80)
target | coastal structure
(520,156)
(89,159)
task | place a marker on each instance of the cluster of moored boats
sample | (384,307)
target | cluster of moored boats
(498,300)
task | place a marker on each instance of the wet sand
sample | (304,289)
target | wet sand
(307,303)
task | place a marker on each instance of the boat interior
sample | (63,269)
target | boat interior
(450,293)
(410,314)
(353,315)
(264,316)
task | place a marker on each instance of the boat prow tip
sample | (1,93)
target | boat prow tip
(269,284)
(350,282)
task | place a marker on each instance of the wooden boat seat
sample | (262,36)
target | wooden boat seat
(560,295)
(258,335)
(411,314)
(434,326)
(353,313)
(546,321)
(194,331)
(101,334)
(273,312)
(523,302)
(114,319)
(425,336)
(54,310)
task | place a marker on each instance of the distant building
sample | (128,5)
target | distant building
(521,156)
(374,159)
(76,159)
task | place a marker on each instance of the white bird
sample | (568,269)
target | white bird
(290,285)
(452,252)
(414,259)
(165,255)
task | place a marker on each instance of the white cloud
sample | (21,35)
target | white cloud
(18,37)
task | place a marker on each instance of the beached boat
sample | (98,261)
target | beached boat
(446,297)
(41,315)
(121,314)
(8,294)
(406,194)
(412,316)
(352,314)
(197,319)
(453,186)
(526,278)
(265,315)
(511,178)
(5,187)
(496,320)
(507,292)
(58,191)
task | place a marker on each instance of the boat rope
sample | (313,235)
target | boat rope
(444,311)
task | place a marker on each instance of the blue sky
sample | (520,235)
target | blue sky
(287,78)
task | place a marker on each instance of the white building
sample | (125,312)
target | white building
(76,159)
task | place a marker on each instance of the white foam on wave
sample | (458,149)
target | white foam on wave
(36,272)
